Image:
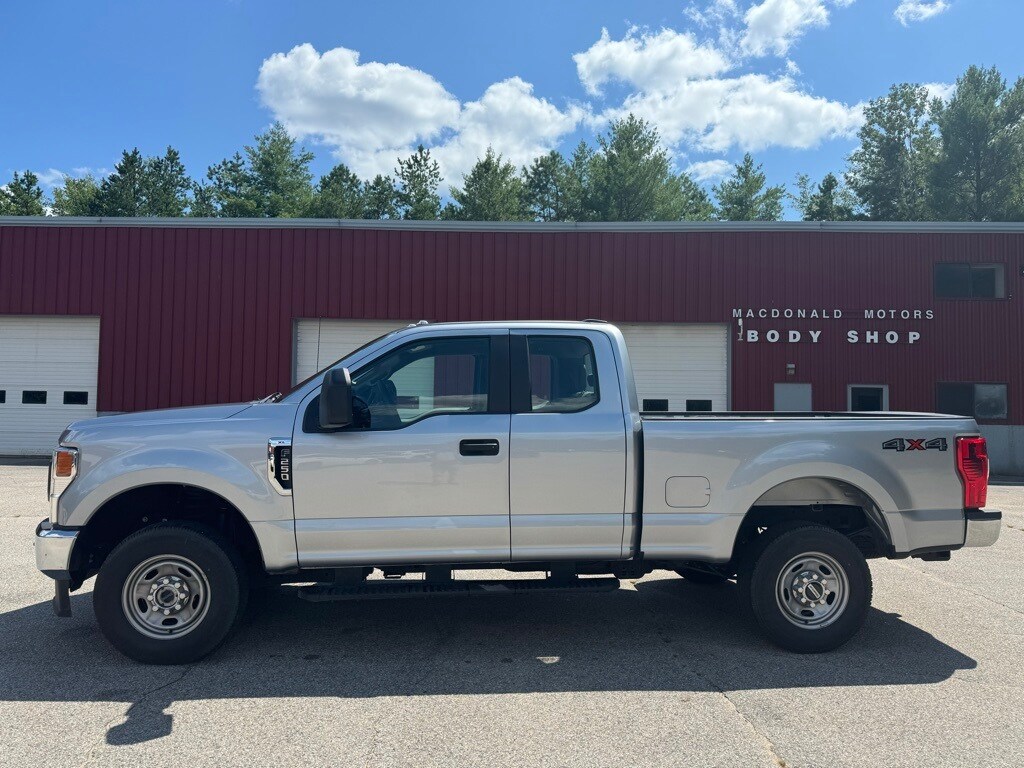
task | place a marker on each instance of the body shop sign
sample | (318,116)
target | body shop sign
(768,325)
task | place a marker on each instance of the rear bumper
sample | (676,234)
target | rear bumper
(53,550)
(982,527)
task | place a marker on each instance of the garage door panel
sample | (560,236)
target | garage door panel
(679,362)
(318,343)
(50,354)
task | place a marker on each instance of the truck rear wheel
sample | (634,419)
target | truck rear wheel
(169,594)
(809,588)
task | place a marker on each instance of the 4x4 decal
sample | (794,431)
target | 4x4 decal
(910,444)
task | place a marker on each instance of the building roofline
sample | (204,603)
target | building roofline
(518,226)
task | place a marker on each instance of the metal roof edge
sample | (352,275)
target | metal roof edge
(519,226)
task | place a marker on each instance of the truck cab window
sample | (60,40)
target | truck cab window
(563,376)
(424,379)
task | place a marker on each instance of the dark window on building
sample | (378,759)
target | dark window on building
(980,401)
(698,405)
(3,395)
(76,398)
(956,280)
(33,397)
(867,398)
(563,375)
(655,405)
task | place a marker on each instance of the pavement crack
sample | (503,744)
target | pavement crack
(102,740)
(766,743)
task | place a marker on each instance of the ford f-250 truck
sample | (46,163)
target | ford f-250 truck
(516,446)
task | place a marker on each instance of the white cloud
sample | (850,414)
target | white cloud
(940,90)
(773,26)
(918,10)
(50,178)
(709,170)
(361,109)
(509,118)
(371,114)
(687,88)
(750,112)
(648,60)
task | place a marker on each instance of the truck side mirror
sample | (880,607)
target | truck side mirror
(336,399)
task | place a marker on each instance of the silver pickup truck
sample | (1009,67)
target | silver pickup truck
(516,446)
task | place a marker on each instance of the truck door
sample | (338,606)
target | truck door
(427,479)
(568,447)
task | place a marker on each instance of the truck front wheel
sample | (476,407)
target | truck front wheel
(809,588)
(169,594)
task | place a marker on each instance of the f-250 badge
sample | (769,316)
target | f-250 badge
(910,444)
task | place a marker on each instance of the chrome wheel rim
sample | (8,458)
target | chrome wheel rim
(812,590)
(165,597)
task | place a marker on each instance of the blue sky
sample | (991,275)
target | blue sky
(364,82)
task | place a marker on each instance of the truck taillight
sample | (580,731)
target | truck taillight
(972,466)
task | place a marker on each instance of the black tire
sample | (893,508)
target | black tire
(789,616)
(213,604)
(703,578)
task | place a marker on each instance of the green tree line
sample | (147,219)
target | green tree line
(919,158)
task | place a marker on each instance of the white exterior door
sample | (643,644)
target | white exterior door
(318,343)
(48,371)
(679,367)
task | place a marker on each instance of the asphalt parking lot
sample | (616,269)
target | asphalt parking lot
(659,673)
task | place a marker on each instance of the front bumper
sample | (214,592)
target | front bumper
(982,527)
(53,550)
(53,558)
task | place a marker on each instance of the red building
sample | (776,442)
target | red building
(119,315)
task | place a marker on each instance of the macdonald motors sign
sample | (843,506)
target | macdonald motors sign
(760,325)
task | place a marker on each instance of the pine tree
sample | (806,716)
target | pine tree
(745,196)
(418,179)
(492,191)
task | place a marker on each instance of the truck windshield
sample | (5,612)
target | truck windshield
(323,370)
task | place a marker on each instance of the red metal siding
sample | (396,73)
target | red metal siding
(206,314)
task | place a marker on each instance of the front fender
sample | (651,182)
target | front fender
(241,481)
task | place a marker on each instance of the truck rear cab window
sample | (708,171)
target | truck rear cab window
(960,280)
(563,374)
(979,401)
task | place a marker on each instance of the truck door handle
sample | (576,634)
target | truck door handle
(478,447)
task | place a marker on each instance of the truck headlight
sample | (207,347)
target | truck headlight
(63,468)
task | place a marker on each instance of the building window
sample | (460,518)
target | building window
(33,397)
(3,395)
(76,398)
(698,405)
(979,401)
(867,397)
(958,280)
(653,405)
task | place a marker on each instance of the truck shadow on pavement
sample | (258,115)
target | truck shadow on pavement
(666,635)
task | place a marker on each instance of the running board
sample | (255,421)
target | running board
(383,590)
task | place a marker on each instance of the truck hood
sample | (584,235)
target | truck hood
(191,415)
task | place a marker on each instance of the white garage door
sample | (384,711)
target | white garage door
(48,368)
(685,365)
(318,343)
